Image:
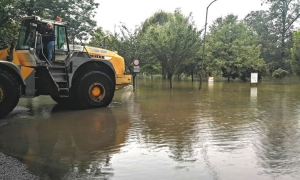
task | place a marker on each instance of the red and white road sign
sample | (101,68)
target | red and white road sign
(136,62)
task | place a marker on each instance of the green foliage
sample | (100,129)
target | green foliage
(158,18)
(8,33)
(232,49)
(279,73)
(283,14)
(262,25)
(98,36)
(126,43)
(173,42)
(78,13)
(152,67)
(295,51)
(8,27)
(189,67)
(6,11)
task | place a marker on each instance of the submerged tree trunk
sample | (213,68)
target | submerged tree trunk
(170,77)
(200,82)
(192,77)
(163,73)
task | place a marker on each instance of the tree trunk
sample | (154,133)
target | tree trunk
(30,8)
(192,77)
(283,34)
(200,83)
(163,73)
(170,77)
(228,79)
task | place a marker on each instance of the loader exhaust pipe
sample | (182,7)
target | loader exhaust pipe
(10,56)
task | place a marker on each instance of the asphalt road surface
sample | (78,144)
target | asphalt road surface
(10,168)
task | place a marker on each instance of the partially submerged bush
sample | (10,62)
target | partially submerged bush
(279,73)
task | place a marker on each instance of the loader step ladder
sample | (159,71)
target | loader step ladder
(60,76)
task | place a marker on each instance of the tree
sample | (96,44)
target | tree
(127,45)
(8,33)
(295,51)
(6,11)
(262,25)
(232,49)
(78,13)
(151,67)
(97,37)
(172,42)
(189,67)
(283,14)
(8,26)
(158,18)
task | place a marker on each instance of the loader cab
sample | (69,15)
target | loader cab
(27,34)
(28,40)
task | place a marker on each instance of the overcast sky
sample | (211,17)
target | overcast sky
(134,12)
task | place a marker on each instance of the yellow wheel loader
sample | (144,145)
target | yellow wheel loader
(87,77)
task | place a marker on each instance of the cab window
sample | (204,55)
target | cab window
(61,39)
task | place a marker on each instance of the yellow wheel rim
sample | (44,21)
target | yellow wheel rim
(97,91)
(1,94)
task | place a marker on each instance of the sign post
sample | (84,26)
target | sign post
(136,69)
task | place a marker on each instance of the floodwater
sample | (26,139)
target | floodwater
(225,131)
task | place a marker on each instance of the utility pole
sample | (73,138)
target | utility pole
(204,38)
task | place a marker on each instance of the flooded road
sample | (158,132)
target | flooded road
(225,131)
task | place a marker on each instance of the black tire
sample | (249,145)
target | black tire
(9,93)
(95,89)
